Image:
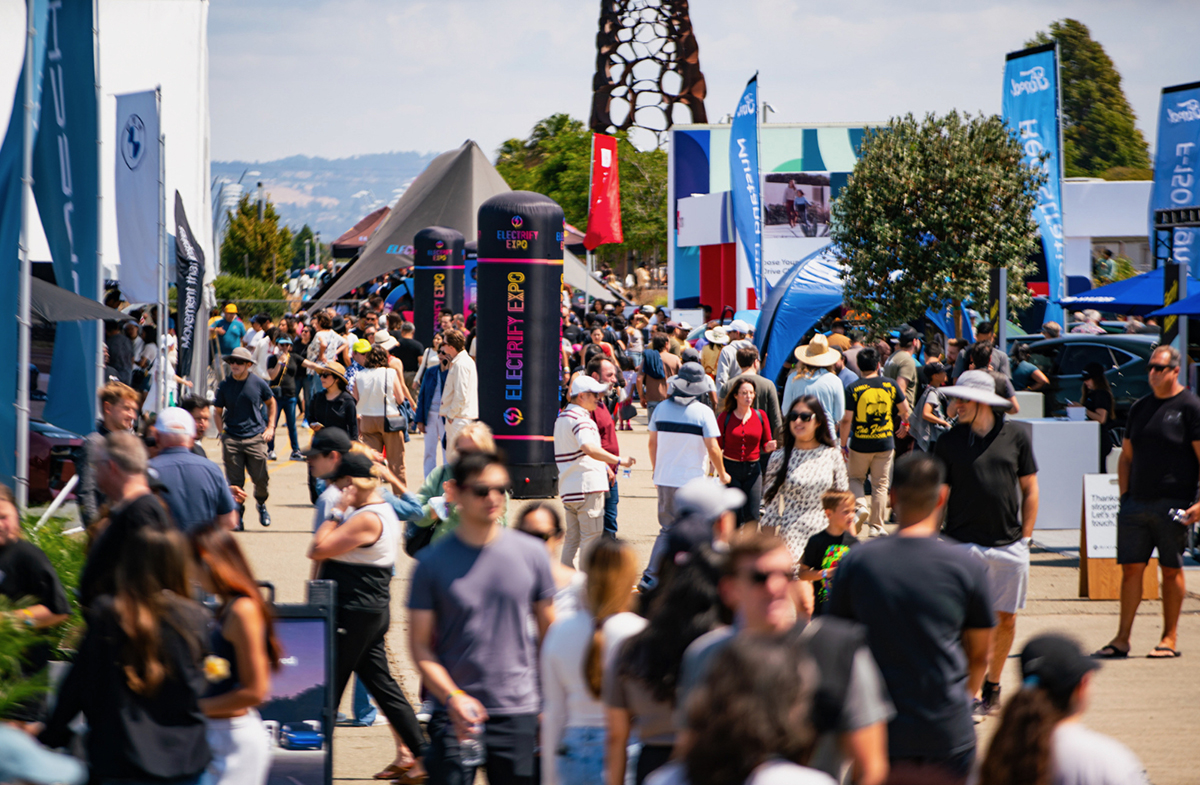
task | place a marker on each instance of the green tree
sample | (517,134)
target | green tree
(555,160)
(256,247)
(930,208)
(1099,131)
(258,296)
(305,235)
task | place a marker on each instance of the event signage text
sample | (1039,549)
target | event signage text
(189,277)
(1175,157)
(1030,109)
(744,183)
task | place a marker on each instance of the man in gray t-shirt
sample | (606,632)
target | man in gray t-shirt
(472,594)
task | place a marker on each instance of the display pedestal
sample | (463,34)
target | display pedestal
(1032,406)
(1100,579)
(1065,451)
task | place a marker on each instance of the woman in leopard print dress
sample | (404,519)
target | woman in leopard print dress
(792,501)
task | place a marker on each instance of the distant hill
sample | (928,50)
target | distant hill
(330,195)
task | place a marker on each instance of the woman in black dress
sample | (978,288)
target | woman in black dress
(1097,399)
(333,407)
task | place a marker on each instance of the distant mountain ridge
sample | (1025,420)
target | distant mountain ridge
(330,195)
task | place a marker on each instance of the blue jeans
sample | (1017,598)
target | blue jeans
(580,756)
(610,509)
(364,710)
(287,406)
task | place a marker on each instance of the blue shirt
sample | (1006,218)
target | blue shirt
(827,388)
(196,490)
(232,338)
(242,401)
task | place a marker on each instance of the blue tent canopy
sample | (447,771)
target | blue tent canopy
(1188,306)
(1140,294)
(802,297)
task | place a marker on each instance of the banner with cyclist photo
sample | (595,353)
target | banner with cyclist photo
(795,219)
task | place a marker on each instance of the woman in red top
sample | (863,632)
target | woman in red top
(745,437)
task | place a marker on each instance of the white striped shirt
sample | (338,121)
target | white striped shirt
(578,475)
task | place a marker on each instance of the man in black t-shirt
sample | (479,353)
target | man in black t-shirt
(873,406)
(27,575)
(1159,475)
(408,351)
(928,612)
(993,505)
(238,414)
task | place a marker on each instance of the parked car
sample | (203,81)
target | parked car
(1063,360)
(299,736)
(53,454)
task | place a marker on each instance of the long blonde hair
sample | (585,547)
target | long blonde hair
(611,568)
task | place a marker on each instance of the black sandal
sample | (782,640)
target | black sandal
(1110,652)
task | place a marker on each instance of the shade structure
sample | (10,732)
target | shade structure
(448,193)
(1188,306)
(1140,294)
(52,303)
(354,238)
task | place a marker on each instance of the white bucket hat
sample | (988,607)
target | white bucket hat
(977,386)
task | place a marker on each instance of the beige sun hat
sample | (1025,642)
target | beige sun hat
(718,335)
(818,352)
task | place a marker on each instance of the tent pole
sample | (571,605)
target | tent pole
(100,380)
(21,475)
(164,319)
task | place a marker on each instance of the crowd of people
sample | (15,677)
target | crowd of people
(832,594)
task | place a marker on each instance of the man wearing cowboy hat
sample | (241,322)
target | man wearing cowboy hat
(727,364)
(987,458)
(683,443)
(814,377)
(238,414)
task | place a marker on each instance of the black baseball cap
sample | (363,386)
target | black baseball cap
(1056,664)
(352,465)
(328,440)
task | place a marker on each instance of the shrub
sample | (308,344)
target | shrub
(237,288)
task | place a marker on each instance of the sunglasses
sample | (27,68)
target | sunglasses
(543,536)
(760,578)
(484,491)
(325,375)
(239,362)
(801,416)
(1158,367)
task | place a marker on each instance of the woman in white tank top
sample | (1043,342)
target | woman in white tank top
(377,389)
(357,550)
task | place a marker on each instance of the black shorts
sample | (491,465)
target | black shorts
(1143,526)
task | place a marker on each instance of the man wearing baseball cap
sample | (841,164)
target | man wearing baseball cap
(229,329)
(582,476)
(739,332)
(197,492)
(993,505)
(238,412)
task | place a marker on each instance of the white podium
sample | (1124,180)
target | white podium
(1032,406)
(1065,451)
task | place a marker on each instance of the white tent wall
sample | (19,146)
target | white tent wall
(143,43)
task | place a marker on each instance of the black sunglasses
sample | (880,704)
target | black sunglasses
(484,491)
(801,416)
(1158,367)
(239,362)
(543,536)
(325,375)
(760,578)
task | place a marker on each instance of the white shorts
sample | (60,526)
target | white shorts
(1008,573)
(241,751)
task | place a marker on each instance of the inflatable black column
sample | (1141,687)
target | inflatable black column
(438,278)
(519,333)
(470,275)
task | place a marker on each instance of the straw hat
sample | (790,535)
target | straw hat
(818,353)
(335,368)
(718,335)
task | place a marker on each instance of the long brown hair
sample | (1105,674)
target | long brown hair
(731,399)
(1020,753)
(789,440)
(611,569)
(151,577)
(219,554)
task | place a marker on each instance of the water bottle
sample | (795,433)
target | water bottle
(471,749)
(628,472)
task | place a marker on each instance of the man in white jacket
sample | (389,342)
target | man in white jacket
(460,395)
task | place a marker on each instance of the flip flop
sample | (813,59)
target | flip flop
(1109,652)
(392,772)
(1170,653)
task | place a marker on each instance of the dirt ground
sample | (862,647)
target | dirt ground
(1149,705)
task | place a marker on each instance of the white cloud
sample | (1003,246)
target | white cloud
(329,78)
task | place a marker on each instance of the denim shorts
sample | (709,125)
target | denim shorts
(580,756)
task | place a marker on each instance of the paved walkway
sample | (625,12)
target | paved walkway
(1149,705)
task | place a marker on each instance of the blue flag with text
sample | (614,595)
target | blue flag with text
(1030,109)
(1175,164)
(744,183)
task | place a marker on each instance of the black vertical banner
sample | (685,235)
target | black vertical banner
(519,333)
(437,278)
(1170,324)
(189,277)
(998,305)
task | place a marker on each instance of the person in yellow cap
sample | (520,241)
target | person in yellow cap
(229,330)
(358,360)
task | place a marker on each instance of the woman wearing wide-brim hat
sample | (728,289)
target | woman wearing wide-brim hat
(718,339)
(335,407)
(814,376)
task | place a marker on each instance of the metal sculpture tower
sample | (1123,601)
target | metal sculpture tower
(647,66)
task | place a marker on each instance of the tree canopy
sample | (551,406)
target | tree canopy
(1099,131)
(555,160)
(256,246)
(931,207)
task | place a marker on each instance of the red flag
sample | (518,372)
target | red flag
(604,210)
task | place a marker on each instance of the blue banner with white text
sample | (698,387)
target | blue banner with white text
(10,239)
(1030,109)
(1175,165)
(66,186)
(744,183)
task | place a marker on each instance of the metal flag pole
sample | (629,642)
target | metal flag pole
(100,380)
(591,259)
(21,476)
(163,317)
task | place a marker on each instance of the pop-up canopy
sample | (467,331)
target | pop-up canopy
(1140,294)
